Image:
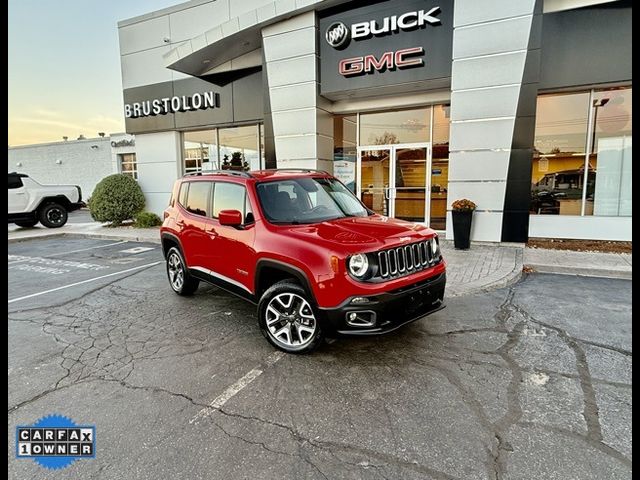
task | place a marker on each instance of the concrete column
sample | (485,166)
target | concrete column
(302,125)
(158,169)
(490,45)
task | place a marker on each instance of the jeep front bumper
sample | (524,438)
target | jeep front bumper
(385,312)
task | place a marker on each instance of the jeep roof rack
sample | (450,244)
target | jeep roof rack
(232,173)
(310,170)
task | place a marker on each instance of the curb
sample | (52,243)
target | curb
(34,237)
(102,236)
(581,271)
(96,236)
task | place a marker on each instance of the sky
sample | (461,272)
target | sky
(64,67)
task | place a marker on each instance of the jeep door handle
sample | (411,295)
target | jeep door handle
(212,234)
(180,223)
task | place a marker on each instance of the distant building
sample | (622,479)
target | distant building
(81,162)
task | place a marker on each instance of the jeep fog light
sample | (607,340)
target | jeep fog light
(362,318)
(358,265)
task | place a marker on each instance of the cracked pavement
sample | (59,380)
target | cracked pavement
(527,382)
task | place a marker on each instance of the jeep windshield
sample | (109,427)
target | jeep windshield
(307,200)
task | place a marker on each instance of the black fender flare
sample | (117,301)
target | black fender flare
(174,238)
(294,271)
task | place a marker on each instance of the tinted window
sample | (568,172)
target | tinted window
(248,211)
(308,200)
(198,198)
(182,196)
(15,181)
(228,196)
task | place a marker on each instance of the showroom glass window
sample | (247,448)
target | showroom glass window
(231,148)
(240,147)
(582,154)
(345,149)
(440,166)
(200,151)
(402,126)
(128,165)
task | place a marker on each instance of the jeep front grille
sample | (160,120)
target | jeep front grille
(405,260)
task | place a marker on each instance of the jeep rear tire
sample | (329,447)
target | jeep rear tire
(179,278)
(27,223)
(288,319)
(53,215)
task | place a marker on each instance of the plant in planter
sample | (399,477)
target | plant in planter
(462,214)
(236,161)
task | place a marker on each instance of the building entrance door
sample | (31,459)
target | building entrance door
(392,180)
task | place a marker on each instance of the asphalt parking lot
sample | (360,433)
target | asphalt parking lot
(527,382)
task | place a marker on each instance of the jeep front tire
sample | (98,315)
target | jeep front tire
(288,319)
(53,215)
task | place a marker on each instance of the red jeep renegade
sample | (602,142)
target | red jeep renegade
(303,248)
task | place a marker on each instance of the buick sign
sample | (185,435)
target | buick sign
(337,34)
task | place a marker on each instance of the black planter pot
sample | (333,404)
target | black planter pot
(462,228)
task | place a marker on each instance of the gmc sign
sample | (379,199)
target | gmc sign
(404,58)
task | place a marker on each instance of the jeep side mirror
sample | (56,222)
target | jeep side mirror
(230,218)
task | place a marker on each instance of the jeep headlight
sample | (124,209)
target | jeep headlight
(358,265)
(435,247)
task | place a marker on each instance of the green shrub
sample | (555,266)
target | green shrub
(115,199)
(147,220)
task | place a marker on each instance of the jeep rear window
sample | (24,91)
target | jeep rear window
(182,196)
(308,200)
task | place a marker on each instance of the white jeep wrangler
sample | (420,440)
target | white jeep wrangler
(31,202)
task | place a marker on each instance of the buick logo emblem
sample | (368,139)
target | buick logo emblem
(337,34)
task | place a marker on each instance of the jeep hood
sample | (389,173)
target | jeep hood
(361,234)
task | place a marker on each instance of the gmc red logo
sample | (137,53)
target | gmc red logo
(404,58)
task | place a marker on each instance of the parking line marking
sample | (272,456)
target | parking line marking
(236,388)
(75,251)
(137,249)
(84,281)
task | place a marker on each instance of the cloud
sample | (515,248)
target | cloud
(47,113)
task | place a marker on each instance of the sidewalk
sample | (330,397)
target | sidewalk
(483,267)
(592,264)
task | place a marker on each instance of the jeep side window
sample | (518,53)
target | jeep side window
(228,196)
(14,181)
(198,198)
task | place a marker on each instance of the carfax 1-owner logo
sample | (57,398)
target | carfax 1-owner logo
(55,441)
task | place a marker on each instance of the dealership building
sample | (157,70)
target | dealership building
(522,106)
(83,161)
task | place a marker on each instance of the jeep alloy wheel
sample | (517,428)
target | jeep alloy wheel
(175,270)
(287,318)
(290,320)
